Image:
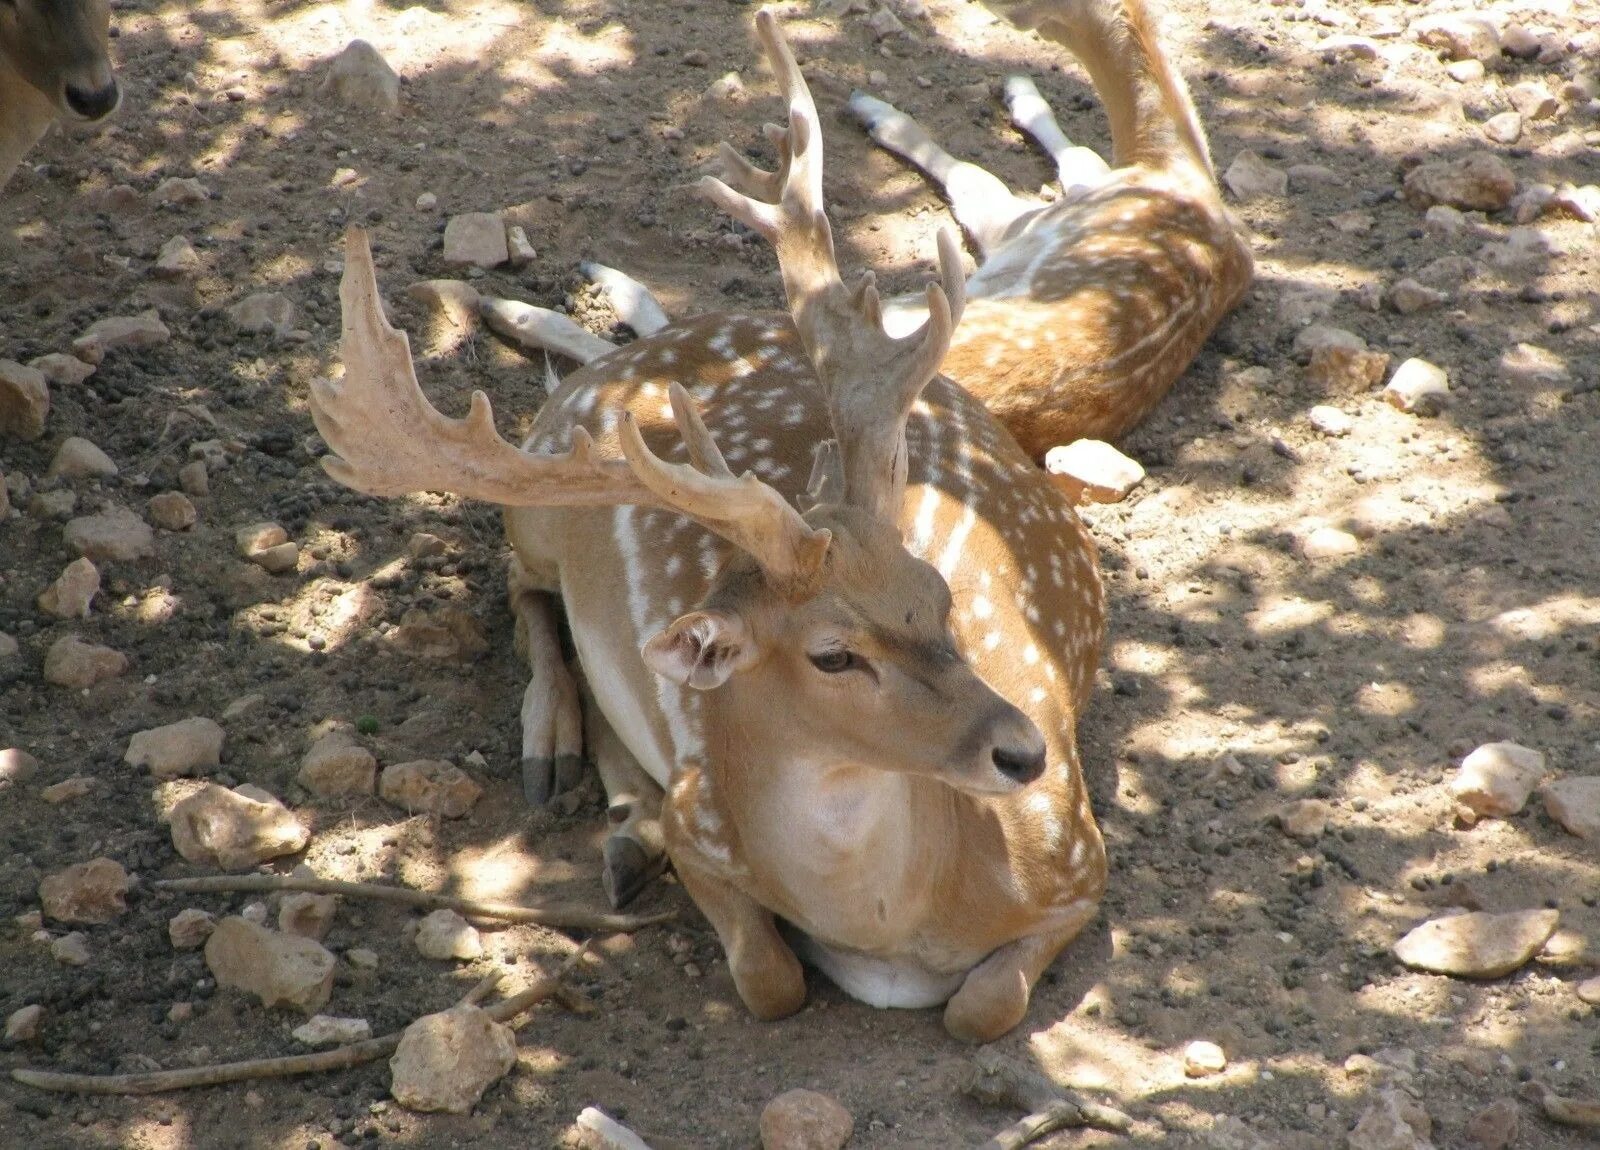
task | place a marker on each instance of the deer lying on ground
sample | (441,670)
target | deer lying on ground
(55,63)
(1082,313)
(862,717)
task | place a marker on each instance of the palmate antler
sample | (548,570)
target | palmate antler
(871,378)
(387,439)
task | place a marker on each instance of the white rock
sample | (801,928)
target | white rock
(1495,780)
(1479,181)
(278,560)
(427,201)
(24,401)
(805,1120)
(1304,819)
(71,595)
(264,313)
(429,786)
(1461,35)
(62,370)
(172,511)
(476,239)
(521,252)
(1443,220)
(1505,128)
(1250,177)
(72,663)
(337,765)
(279,969)
(191,746)
(1477,945)
(16,766)
(361,78)
(360,958)
(1466,71)
(235,831)
(194,479)
(303,913)
(190,927)
(1418,386)
(1528,364)
(1589,991)
(1574,802)
(79,459)
(1329,543)
(117,535)
(325,1030)
(1533,100)
(120,331)
(446,1061)
(90,892)
(447,633)
(23,1025)
(67,790)
(1409,297)
(1330,420)
(1203,1059)
(444,934)
(1394,1121)
(1088,470)
(176,260)
(179,191)
(71,949)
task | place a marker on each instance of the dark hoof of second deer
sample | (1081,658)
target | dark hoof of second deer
(628,870)
(545,778)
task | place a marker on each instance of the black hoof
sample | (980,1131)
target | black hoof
(627,871)
(546,779)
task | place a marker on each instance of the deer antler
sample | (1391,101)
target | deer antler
(871,379)
(387,439)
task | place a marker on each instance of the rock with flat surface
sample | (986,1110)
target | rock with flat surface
(1203,1059)
(1574,802)
(71,949)
(1409,297)
(1088,470)
(310,915)
(90,892)
(429,786)
(114,536)
(1330,421)
(1304,819)
(1460,35)
(446,1061)
(1494,1127)
(1329,543)
(282,970)
(77,458)
(476,239)
(805,1120)
(72,663)
(337,765)
(444,934)
(71,595)
(189,928)
(24,401)
(233,831)
(22,1025)
(188,747)
(1480,181)
(67,790)
(1477,945)
(1417,388)
(172,511)
(264,313)
(62,370)
(361,78)
(176,260)
(447,633)
(326,1030)
(1495,780)
(1394,1121)
(120,331)
(1250,177)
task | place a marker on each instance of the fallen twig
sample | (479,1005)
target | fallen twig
(996,1080)
(1566,1111)
(568,917)
(340,1058)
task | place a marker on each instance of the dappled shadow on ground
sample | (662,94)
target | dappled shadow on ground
(1238,674)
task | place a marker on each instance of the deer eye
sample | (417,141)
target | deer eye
(836,661)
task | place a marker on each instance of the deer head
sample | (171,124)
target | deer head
(62,49)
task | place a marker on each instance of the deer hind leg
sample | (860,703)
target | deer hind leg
(535,329)
(1077,167)
(635,849)
(994,997)
(552,717)
(635,304)
(985,208)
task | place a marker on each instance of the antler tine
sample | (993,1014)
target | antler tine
(704,453)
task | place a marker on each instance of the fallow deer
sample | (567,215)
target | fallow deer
(55,63)
(863,717)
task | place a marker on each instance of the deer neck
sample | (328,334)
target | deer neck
(25,114)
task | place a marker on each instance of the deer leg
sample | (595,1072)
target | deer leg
(765,971)
(1076,166)
(552,718)
(634,303)
(635,851)
(540,329)
(994,997)
(984,207)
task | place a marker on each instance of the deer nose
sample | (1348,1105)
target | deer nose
(94,103)
(1019,764)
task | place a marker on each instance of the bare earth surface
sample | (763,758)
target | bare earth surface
(1240,675)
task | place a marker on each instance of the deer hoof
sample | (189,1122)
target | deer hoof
(628,870)
(545,778)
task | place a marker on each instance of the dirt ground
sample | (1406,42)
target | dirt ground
(1239,674)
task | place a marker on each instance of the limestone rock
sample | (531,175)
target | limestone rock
(1339,361)
(476,239)
(1494,1127)
(189,928)
(190,746)
(24,400)
(325,1030)
(306,914)
(1461,35)
(1409,297)
(1589,991)
(62,370)
(337,765)
(1394,1121)
(1203,1059)
(805,1120)
(1480,181)
(361,78)
(120,331)
(67,790)
(1505,128)
(70,662)
(1495,780)
(89,892)
(79,459)
(1477,945)
(194,479)
(179,192)
(172,511)
(70,596)
(518,247)
(1250,177)
(1088,470)
(1330,421)
(1418,387)
(1574,802)
(429,786)
(279,969)
(1532,365)
(233,831)
(1329,543)
(176,260)
(1533,100)
(1304,820)
(117,535)
(22,1025)
(16,766)
(446,1061)
(71,949)
(264,313)
(448,633)
(444,934)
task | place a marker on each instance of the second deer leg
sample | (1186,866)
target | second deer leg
(540,329)
(984,207)
(994,997)
(1076,166)
(635,848)
(552,717)
(635,304)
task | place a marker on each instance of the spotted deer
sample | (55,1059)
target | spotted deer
(1082,312)
(55,63)
(859,719)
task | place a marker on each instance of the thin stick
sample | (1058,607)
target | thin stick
(341,1058)
(568,917)
(997,1080)
(1035,1126)
(1566,1111)
(484,988)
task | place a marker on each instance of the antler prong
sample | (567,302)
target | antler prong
(703,450)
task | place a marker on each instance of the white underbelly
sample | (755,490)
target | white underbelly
(896,982)
(609,682)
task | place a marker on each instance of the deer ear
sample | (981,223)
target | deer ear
(702,649)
